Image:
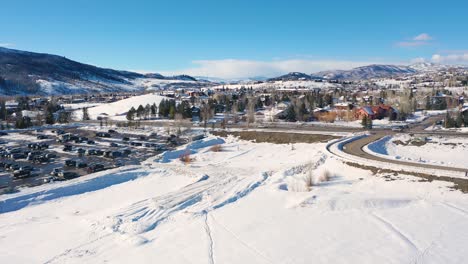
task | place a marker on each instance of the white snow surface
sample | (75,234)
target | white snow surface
(118,109)
(247,203)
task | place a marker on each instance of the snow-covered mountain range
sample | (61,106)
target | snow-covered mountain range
(24,72)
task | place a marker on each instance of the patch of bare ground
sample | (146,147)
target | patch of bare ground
(458,183)
(276,137)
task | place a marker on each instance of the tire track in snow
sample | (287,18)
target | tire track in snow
(67,252)
(246,245)
(396,232)
(209,193)
(210,240)
(455,208)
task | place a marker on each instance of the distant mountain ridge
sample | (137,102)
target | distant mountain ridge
(367,72)
(295,76)
(23,72)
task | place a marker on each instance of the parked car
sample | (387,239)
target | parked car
(81,151)
(112,131)
(50,155)
(67,148)
(16,156)
(81,165)
(95,168)
(91,142)
(56,171)
(103,134)
(125,138)
(14,167)
(26,168)
(2,133)
(52,179)
(126,152)
(40,159)
(114,144)
(42,137)
(68,174)
(70,163)
(21,174)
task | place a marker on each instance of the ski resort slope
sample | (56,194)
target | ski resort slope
(117,110)
(247,203)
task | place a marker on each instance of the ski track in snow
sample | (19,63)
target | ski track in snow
(455,208)
(394,231)
(242,242)
(197,198)
(210,240)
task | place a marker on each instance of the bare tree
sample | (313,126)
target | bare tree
(251,111)
(206,113)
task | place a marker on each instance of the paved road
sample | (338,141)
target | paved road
(356,148)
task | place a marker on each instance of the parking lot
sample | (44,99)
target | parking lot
(37,157)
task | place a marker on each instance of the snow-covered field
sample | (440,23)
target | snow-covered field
(445,151)
(248,203)
(117,110)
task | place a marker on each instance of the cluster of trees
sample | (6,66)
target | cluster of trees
(458,121)
(142,112)
(23,122)
(167,109)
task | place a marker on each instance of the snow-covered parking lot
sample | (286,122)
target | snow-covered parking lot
(237,202)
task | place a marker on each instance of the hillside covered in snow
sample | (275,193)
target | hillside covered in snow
(32,73)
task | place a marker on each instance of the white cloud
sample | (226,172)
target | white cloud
(460,58)
(233,68)
(422,37)
(419,40)
(6,45)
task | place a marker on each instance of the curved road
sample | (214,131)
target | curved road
(356,148)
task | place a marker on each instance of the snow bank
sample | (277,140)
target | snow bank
(191,149)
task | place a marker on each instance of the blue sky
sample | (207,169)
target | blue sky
(233,39)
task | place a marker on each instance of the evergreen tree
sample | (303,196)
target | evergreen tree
(369,123)
(147,111)
(290,114)
(449,122)
(85,114)
(23,122)
(3,111)
(364,122)
(64,117)
(131,114)
(140,112)
(153,110)
(172,112)
(50,109)
(459,120)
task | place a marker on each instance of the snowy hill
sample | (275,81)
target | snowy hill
(424,67)
(294,76)
(24,72)
(367,72)
(117,110)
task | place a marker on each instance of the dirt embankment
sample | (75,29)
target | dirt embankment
(276,137)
